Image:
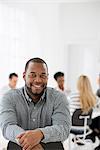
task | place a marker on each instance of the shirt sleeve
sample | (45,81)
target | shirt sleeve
(61,122)
(8,120)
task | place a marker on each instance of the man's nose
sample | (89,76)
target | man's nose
(38,78)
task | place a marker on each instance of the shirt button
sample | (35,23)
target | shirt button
(33,120)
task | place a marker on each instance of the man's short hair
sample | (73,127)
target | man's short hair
(58,74)
(13,75)
(37,60)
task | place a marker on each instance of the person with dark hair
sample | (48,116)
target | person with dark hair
(34,115)
(13,79)
(59,78)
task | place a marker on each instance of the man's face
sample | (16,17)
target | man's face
(60,81)
(36,77)
(13,82)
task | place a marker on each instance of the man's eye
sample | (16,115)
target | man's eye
(32,75)
(43,76)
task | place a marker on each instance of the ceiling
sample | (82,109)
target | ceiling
(47,1)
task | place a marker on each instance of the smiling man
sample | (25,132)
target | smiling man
(35,113)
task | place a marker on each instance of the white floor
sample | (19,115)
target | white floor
(69,145)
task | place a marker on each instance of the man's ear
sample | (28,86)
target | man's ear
(24,75)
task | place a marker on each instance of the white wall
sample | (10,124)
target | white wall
(83,59)
(81,35)
(80,22)
(18,32)
(29,30)
(66,35)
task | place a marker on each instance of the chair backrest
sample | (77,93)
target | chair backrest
(78,117)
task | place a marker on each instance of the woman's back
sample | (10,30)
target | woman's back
(85,98)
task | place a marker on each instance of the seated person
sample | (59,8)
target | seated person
(59,78)
(95,126)
(84,98)
(35,113)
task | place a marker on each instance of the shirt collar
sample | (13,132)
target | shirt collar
(29,99)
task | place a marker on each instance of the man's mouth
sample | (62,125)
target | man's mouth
(37,86)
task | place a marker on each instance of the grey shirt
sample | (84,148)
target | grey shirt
(50,114)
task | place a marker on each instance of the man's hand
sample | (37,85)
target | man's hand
(30,139)
(38,147)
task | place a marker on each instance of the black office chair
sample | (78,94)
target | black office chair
(80,126)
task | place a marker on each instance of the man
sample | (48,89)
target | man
(13,79)
(35,113)
(59,78)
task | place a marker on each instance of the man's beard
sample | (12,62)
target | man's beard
(31,94)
